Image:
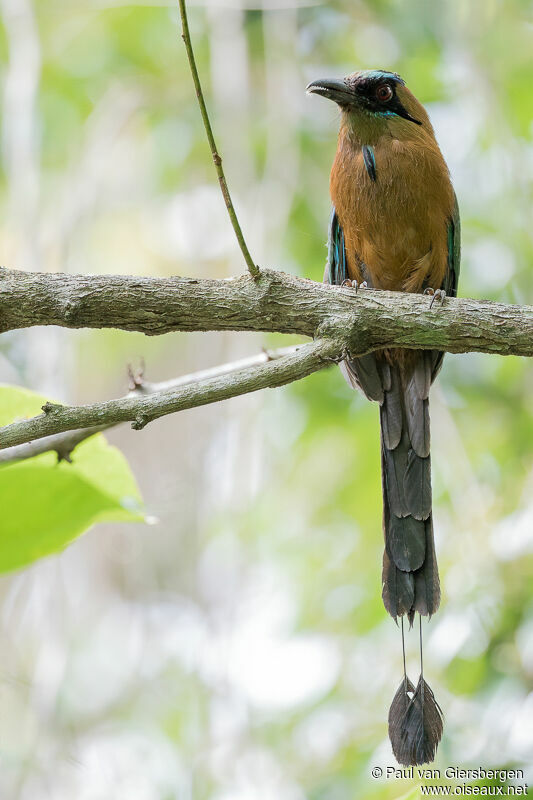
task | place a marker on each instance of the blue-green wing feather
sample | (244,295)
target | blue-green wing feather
(454,253)
(451,279)
(360,373)
(336,270)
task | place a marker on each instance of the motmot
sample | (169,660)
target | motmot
(395,226)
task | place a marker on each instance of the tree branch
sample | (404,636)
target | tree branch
(141,409)
(275,302)
(342,322)
(61,443)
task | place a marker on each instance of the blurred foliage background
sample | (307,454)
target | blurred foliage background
(237,647)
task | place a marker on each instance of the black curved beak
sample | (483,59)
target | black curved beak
(334,89)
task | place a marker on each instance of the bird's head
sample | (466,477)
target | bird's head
(372,98)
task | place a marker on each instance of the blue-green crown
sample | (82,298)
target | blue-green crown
(380,74)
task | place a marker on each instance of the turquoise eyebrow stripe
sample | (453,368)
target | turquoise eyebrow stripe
(370,161)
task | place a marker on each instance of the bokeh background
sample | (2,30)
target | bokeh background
(236,648)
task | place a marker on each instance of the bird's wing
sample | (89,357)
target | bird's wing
(454,252)
(451,278)
(336,268)
(360,373)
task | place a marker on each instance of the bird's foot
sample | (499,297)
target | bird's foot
(439,295)
(353,284)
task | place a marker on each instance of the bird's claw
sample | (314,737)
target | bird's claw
(439,295)
(353,284)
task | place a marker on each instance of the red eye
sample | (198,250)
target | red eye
(384,93)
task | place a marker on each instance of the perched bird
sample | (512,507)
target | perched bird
(395,225)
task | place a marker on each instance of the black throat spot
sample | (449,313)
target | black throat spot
(370,161)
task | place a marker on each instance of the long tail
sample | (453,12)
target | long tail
(410,574)
(400,383)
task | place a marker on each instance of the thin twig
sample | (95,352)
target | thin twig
(141,409)
(145,387)
(217,160)
(64,443)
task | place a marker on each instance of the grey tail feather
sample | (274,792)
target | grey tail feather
(415,723)
(410,574)
(401,387)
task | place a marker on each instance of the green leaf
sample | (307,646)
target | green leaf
(17,403)
(45,505)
